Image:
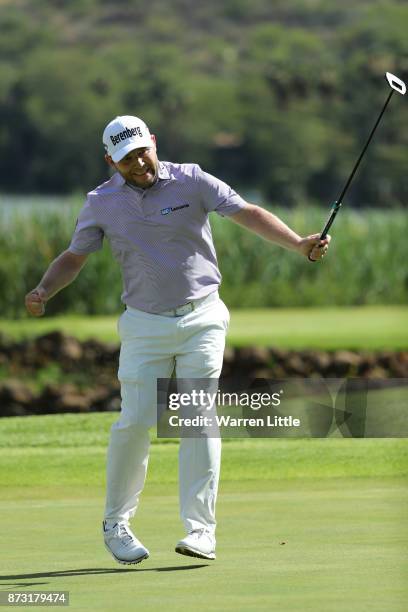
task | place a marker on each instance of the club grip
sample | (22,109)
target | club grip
(335,209)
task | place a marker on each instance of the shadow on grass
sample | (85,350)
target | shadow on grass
(94,571)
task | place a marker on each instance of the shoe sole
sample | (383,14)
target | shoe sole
(123,562)
(191,552)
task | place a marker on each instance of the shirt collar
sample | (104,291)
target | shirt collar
(163,172)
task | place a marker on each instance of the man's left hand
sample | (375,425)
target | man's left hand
(313,248)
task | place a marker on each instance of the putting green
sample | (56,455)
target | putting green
(315,545)
(317,525)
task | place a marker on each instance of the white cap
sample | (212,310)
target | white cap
(123,134)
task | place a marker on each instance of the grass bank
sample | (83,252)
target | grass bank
(364,327)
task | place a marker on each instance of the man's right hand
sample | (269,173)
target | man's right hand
(35,301)
(60,273)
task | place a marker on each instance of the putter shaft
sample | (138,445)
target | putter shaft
(337,204)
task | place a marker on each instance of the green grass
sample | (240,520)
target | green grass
(316,525)
(368,327)
(365,327)
(344,550)
(76,443)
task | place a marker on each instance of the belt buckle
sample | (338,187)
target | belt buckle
(184,309)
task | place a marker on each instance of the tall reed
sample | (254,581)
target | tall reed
(366,264)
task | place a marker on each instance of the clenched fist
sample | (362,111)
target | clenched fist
(35,301)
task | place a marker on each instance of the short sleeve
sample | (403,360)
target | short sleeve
(216,195)
(88,236)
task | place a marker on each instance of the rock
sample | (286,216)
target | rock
(348,357)
(100,353)
(229,355)
(278,372)
(114,404)
(15,398)
(229,362)
(72,402)
(49,343)
(367,362)
(57,346)
(263,374)
(96,362)
(70,349)
(384,359)
(295,365)
(99,397)
(399,364)
(345,363)
(15,410)
(278,355)
(319,361)
(63,398)
(15,392)
(376,372)
(252,357)
(30,357)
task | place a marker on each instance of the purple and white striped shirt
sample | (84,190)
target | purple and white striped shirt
(160,236)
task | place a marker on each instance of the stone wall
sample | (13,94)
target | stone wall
(93,366)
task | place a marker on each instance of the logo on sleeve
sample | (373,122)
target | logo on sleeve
(166,211)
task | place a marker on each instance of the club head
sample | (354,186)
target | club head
(396,83)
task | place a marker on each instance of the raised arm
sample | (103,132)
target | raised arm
(61,272)
(270,227)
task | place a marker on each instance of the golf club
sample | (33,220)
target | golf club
(396,85)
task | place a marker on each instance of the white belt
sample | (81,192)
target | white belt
(190,306)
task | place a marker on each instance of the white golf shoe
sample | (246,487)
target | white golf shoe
(123,544)
(198,543)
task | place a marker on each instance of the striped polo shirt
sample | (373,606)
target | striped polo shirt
(160,236)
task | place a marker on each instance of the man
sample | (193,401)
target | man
(155,216)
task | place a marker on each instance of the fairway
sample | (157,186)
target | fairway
(366,327)
(316,525)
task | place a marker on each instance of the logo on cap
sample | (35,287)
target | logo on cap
(127,133)
(123,134)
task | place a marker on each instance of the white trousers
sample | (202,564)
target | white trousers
(151,347)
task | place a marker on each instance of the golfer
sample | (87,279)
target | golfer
(155,217)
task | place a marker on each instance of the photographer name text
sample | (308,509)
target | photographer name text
(230,421)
